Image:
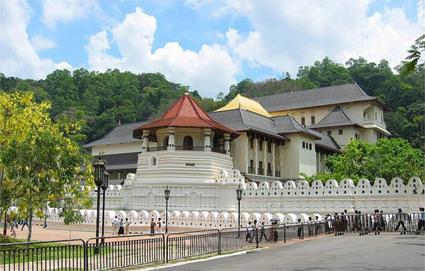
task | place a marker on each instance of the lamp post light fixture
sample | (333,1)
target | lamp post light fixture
(104,186)
(99,173)
(167,197)
(239,197)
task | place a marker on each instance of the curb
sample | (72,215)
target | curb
(250,251)
(193,261)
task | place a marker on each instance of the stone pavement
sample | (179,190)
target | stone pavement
(382,252)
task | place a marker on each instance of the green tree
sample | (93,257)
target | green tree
(387,158)
(413,60)
(40,159)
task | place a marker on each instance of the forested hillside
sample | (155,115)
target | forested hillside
(104,99)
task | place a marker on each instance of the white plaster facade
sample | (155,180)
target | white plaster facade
(203,206)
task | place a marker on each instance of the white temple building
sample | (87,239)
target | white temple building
(203,158)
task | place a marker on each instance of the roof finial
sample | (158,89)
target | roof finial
(186,93)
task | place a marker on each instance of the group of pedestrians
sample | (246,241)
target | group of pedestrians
(376,222)
(120,227)
(14,224)
(157,225)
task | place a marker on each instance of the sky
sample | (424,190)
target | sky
(205,44)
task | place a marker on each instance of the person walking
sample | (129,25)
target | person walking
(115,225)
(248,237)
(382,218)
(421,221)
(121,227)
(24,223)
(273,236)
(159,225)
(12,229)
(263,232)
(153,224)
(127,226)
(300,230)
(401,218)
(254,231)
(377,223)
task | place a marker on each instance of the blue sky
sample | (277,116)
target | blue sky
(207,45)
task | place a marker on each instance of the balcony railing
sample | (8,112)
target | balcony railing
(183,148)
(189,148)
(277,173)
(269,172)
(260,171)
(218,149)
(251,170)
(161,148)
(367,120)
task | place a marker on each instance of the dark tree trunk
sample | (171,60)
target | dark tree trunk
(5,223)
(30,222)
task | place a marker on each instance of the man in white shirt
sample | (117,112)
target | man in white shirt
(115,225)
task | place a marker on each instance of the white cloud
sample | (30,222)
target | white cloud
(288,34)
(66,10)
(209,70)
(18,56)
(41,43)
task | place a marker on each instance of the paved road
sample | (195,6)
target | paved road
(388,252)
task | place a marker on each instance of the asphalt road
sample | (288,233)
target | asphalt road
(388,252)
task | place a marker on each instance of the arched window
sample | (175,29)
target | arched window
(165,142)
(187,143)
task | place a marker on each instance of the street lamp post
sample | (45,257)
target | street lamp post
(99,172)
(239,197)
(167,197)
(104,187)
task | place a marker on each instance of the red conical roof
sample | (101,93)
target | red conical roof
(185,112)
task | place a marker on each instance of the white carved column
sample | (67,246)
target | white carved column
(273,159)
(207,139)
(171,139)
(265,157)
(145,140)
(281,160)
(227,143)
(255,155)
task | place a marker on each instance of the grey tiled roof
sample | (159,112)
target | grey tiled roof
(336,117)
(287,124)
(120,134)
(314,97)
(121,160)
(328,143)
(242,120)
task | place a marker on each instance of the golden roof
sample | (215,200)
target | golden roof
(244,103)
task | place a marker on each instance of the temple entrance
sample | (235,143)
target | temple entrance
(188,143)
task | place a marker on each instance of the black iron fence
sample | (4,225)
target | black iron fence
(191,244)
(378,222)
(124,251)
(49,255)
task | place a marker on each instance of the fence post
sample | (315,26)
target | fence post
(165,250)
(85,255)
(284,232)
(219,242)
(302,230)
(256,238)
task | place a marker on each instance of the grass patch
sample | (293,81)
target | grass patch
(20,252)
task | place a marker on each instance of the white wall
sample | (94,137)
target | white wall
(117,148)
